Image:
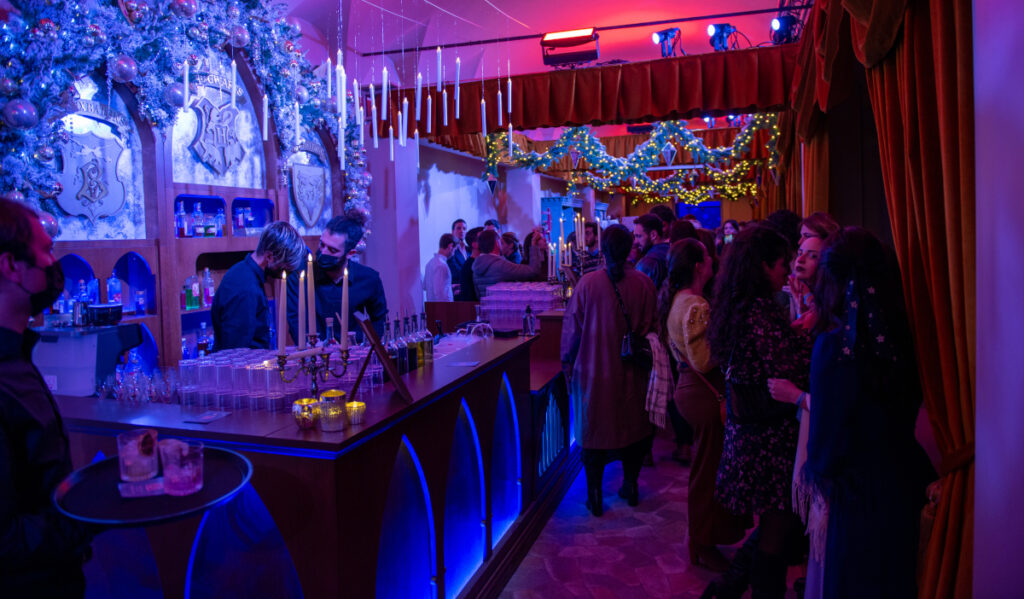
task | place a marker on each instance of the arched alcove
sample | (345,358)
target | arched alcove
(149,353)
(138,285)
(465,533)
(309,185)
(406,562)
(552,436)
(75,269)
(506,464)
(215,143)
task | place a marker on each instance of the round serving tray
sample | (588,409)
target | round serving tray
(90,494)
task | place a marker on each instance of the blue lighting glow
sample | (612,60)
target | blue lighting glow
(506,465)
(465,531)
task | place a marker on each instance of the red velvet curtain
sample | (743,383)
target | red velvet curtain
(920,80)
(754,80)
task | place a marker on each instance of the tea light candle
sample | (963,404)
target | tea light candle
(305,413)
(355,410)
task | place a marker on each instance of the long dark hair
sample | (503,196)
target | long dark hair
(616,241)
(683,258)
(742,281)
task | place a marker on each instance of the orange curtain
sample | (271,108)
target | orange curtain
(922,95)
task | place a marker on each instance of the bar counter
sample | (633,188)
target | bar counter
(436,498)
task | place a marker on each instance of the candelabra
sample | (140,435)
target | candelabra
(315,362)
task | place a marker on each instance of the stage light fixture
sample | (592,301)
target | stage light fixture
(719,34)
(669,41)
(785,29)
(569,39)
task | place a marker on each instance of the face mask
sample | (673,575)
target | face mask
(41,300)
(328,262)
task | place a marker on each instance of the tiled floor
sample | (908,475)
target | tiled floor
(628,552)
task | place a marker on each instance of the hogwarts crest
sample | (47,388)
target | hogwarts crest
(216,143)
(309,187)
(92,187)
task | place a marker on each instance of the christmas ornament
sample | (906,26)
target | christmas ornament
(44,153)
(7,86)
(49,222)
(239,36)
(185,8)
(174,94)
(233,11)
(301,94)
(193,32)
(124,69)
(20,114)
(51,190)
(13,195)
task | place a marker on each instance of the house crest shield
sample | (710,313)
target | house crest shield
(216,143)
(309,192)
(91,184)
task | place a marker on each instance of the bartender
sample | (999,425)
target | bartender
(240,312)
(365,288)
(41,550)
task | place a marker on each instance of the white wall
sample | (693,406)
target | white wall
(999,450)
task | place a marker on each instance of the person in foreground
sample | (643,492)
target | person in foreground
(41,550)
(684,315)
(609,393)
(240,312)
(864,480)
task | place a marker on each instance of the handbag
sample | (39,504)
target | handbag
(634,349)
(719,396)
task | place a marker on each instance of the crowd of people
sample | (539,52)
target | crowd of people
(780,352)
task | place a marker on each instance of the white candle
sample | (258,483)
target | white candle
(458,71)
(400,120)
(373,101)
(499,107)
(373,117)
(439,69)
(385,97)
(405,124)
(234,75)
(186,84)
(330,66)
(444,102)
(310,296)
(419,86)
(362,117)
(561,235)
(344,310)
(510,94)
(430,116)
(266,111)
(342,90)
(599,235)
(341,143)
(509,136)
(301,341)
(391,142)
(298,125)
(282,312)
(416,140)
(483,118)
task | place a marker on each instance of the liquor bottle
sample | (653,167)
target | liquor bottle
(181,227)
(202,341)
(529,323)
(401,349)
(414,337)
(113,289)
(93,291)
(391,347)
(198,222)
(428,340)
(410,344)
(208,288)
(193,293)
(220,221)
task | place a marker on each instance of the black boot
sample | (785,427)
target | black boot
(630,491)
(735,580)
(768,576)
(595,498)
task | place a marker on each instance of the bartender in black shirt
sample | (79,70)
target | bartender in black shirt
(365,289)
(240,312)
(41,550)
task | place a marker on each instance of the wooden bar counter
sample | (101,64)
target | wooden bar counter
(435,498)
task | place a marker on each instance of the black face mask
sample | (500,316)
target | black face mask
(329,262)
(41,300)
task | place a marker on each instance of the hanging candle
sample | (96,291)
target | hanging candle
(499,108)
(341,143)
(186,84)
(385,99)
(234,76)
(373,117)
(266,111)
(342,100)
(361,116)
(298,125)
(439,77)
(401,137)
(458,70)
(510,95)
(483,117)
(405,124)
(430,119)
(444,102)
(329,68)
(416,140)
(391,142)
(419,86)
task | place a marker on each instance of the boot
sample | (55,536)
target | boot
(735,580)
(595,499)
(768,576)
(630,491)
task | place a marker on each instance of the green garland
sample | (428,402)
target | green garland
(606,171)
(52,43)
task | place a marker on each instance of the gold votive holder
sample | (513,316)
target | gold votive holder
(306,412)
(355,410)
(333,414)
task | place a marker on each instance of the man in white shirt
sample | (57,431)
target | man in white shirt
(437,277)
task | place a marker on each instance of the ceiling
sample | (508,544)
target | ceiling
(370,26)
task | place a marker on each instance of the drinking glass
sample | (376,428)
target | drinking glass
(137,454)
(183,466)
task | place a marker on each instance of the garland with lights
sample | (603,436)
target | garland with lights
(144,44)
(613,172)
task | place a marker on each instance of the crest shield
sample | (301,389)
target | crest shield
(92,186)
(309,187)
(216,143)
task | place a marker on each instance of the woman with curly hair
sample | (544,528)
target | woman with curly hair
(751,337)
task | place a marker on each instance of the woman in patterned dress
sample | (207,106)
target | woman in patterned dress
(751,337)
